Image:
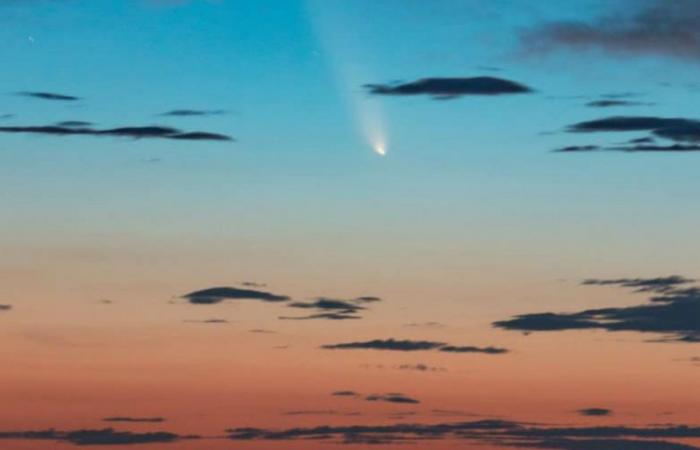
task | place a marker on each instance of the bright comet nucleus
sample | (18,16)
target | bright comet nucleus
(380,150)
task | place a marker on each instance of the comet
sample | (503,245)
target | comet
(342,54)
(380,150)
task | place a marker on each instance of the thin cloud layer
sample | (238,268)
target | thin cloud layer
(127,419)
(193,112)
(499,433)
(677,129)
(216,295)
(646,28)
(445,88)
(595,412)
(137,132)
(659,284)
(209,321)
(639,148)
(685,133)
(420,367)
(107,436)
(49,96)
(333,309)
(610,103)
(345,394)
(409,346)
(392,398)
(672,312)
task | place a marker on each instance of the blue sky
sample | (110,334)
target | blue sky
(270,67)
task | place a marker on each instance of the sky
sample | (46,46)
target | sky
(234,224)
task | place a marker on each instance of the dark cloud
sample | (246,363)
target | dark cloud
(392,398)
(610,103)
(658,285)
(472,349)
(578,148)
(387,344)
(325,304)
(333,309)
(107,436)
(219,294)
(445,88)
(684,132)
(209,321)
(5,307)
(634,123)
(134,419)
(193,112)
(595,412)
(602,444)
(409,345)
(261,331)
(642,140)
(200,136)
(650,27)
(253,284)
(390,433)
(497,433)
(345,394)
(139,132)
(674,148)
(672,312)
(50,96)
(676,129)
(6,116)
(324,316)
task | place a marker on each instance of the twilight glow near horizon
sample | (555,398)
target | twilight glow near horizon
(300,224)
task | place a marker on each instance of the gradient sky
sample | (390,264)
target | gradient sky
(472,217)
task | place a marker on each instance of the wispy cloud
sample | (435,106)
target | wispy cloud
(136,132)
(644,28)
(333,309)
(193,112)
(393,397)
(410,345)
(499,433)
(49,96)
(107,436)
(595,412)
(128,419)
